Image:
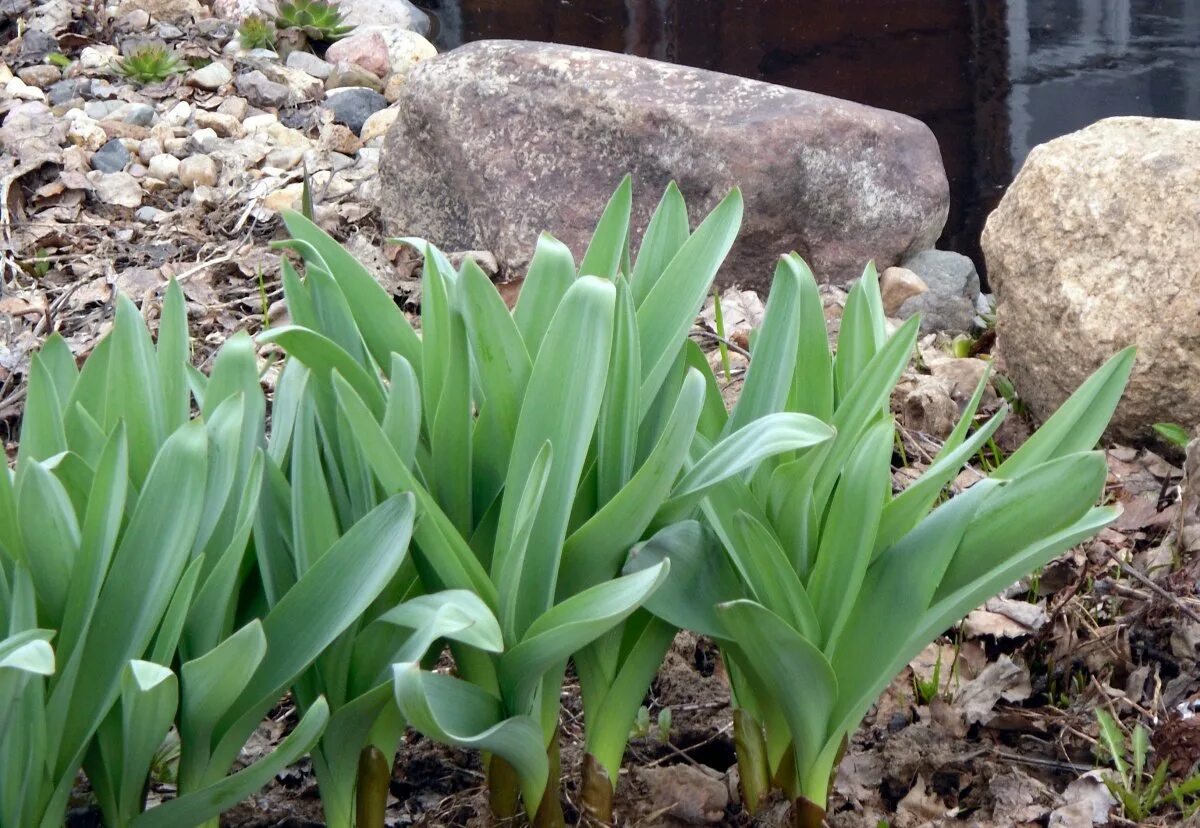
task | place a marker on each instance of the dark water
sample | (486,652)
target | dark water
(991,78)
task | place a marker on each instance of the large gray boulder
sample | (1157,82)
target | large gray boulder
(1094,248)
(499,140)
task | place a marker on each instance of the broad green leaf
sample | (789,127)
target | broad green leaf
(42,431)
(402,414)
(50,536)
(382,324)
(617,430)
(773,357)
(453,613)
(149,697)
(779,657)
(603,256)
(1079,422)
(323,357)
(198,806)
(701,577)
(667,312)
(550,274)
(518,546)
(135,392)
(457,713)
(773,581)
(568,627)
(174,354)
(561,406)
(594,552)
(665,234)
(812,382)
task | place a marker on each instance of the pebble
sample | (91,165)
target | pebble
(223,125)
(235,106)
(353,106)
(19,89)
(339,138)
(395,85)
(84,131)
(260,90)
(257,122)
(311,64)
(211,77)
(137,20)
(36,44)
(96,57)
(204,140)
(176,146)
(285,198)
(369,50)
(348,74)
(42,76)
(139,114)
(119,188)
(168,31)
(177,115)
(149,148)
(164,167)
(99,110)
(283,158)
(149,214)
(198,171)
(378,124)
(111,158)
(66,90)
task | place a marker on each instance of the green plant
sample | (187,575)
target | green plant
(1174,434)
(540,445)
(719,323)
(149,64)
(1139,791)
(319,20)
(58,59)
(256,32)
(811,573)
(927,690)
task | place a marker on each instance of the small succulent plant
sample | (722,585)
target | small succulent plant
(320,20)
(149,64)
(256,32)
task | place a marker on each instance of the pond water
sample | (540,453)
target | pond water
(991,78)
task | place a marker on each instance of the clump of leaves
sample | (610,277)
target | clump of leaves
(58,59)
(1139,791)
(149,64)
(256,32)
(1173,433)
(319,20)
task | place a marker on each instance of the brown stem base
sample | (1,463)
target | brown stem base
(370,795)
(597,800)
(550,813)
(807,814)
(503,790)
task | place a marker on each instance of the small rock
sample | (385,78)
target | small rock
(137,170)
(99,110)
(237,10)
(284,137)
(84,131)
(349,75)
(174,11)
(285,198)
(369,50)
(176,146)
(395,85)
(377,125)
(66,90)
(401,13)
(484,258)
(111,158)
(949,304)
(339,138)
(223,125)
(177,115)
(204,140)
(311,64)
(149,148)
(36,44)
(353,106)
(19,89)
(684,792)
(211,77)
(119,189)
(283,158)
(962,376)
(148,214)
(167,31)
(257,122)
(260,90)
(302,86)
(137,20)
(898,284)
(164,167)
(234,106)
(405,48)
(96,57)
(924,405)
(139,114)
(198,171)
(216,28)
(119,129)
(42,76)
(339,162)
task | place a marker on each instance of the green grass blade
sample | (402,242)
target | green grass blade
(550,274)
(665,234)
(603,256)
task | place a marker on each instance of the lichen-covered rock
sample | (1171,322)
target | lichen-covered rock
(499,140)
(1094,248)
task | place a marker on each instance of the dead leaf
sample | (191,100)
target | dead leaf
(1088,803)
(1003,679)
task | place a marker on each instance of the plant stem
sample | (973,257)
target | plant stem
(370,795)
(503,789)
(807,814)
(550,813)
(754,774)
(597,797)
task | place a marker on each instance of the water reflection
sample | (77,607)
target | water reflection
(991,78)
